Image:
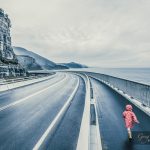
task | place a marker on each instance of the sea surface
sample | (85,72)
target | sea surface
(140,75)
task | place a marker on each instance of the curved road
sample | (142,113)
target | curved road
(66,135)
(23,124)
(27,112)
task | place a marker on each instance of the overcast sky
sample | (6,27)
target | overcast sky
(105,33)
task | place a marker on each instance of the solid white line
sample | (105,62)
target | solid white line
(56,119)
(24,99)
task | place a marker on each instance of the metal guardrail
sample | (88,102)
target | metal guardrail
(140,92)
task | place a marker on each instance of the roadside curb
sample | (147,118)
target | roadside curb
(95,136)
(89,135)
(84,138)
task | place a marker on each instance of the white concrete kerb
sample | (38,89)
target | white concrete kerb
(95,142)
(84,134)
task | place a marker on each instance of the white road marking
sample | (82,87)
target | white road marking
(84,134)
(24,99)
(56,119)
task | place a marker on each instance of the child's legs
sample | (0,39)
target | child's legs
(129,129)
(129,132)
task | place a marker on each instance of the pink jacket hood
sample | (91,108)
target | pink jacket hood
(128,107)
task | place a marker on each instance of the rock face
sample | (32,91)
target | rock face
(43,62)
(39,61)
(6,51)
(9,65)
(29,63)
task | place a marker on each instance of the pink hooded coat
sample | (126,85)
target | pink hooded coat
(129,117)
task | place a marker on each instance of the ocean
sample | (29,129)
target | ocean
(140,75)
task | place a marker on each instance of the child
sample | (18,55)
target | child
(129,118)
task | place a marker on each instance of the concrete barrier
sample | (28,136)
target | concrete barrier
(84,134)
(139,91)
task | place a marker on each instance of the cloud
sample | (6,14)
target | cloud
(94,32)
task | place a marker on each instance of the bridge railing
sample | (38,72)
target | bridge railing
(139,91)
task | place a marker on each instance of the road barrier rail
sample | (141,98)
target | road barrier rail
(138,91)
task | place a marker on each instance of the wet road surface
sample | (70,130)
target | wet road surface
(113,131)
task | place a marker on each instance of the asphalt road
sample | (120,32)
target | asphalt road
(10,96)
(66,135)
(23,124)
(110,108)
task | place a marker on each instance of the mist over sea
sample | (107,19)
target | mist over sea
(140,75)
